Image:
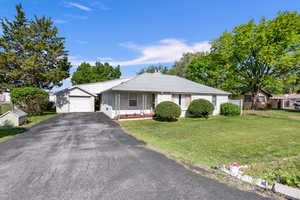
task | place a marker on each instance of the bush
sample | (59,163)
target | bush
(201,108)
(31,100)
(167,110)
(230,109)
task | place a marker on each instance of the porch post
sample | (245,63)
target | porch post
(117,105)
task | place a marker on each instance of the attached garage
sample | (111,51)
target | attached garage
(81,104)
(75,100)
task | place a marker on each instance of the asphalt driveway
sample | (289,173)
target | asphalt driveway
(83,156)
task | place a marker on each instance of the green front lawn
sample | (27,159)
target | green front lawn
(255,137)
(32,120)
(6,133)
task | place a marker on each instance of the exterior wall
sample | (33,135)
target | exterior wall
(10,117)
(62,102)
(160,97)
(107,104)
(5,97)
(220,99)
(22,120)
(52,98)
(113,106)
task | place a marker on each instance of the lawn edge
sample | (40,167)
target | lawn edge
(208,172)
(27,128)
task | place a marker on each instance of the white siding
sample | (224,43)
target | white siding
(63,100)
(163,97)
(220,99)
(107,104)
(15,120)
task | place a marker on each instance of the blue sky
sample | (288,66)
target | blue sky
(137,33)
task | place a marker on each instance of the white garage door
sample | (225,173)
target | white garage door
(81,104)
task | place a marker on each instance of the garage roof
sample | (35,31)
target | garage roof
(97,88)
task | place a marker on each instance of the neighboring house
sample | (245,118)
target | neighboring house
(136,96)
(262,98)
(5,97)
(284,100)
(52,97)
(15,117)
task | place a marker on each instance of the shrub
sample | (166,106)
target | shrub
(230,109)
(167,110)
(201,108)
(31,100)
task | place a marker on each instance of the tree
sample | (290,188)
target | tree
(259,55)
(87,73)
(211,70)
(154,68)
(31,100)
(179,68)
(32,53)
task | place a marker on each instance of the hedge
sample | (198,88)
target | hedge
(201,108)
(167,111)
(230,109)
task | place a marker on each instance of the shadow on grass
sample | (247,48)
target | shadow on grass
(6,132)
(164,120)
(291,110)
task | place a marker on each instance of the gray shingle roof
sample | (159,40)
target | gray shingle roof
(157,82)
(16,112)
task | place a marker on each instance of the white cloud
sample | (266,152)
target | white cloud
(79,6)
(104,59)
(165,51)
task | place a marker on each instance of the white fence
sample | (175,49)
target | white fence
(238,102)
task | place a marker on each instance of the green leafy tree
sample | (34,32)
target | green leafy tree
(31,100)
(32,53)
(87,73)
(179,68)
(212,70)
(263,53)
(154,68)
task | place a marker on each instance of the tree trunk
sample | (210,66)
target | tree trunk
(254,99)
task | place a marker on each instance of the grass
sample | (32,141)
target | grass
(32,120)
(255,137)
(5,107)
(8,132)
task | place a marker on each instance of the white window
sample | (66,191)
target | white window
(214,100)
(132,100)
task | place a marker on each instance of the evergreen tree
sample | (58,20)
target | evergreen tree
(32,53)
